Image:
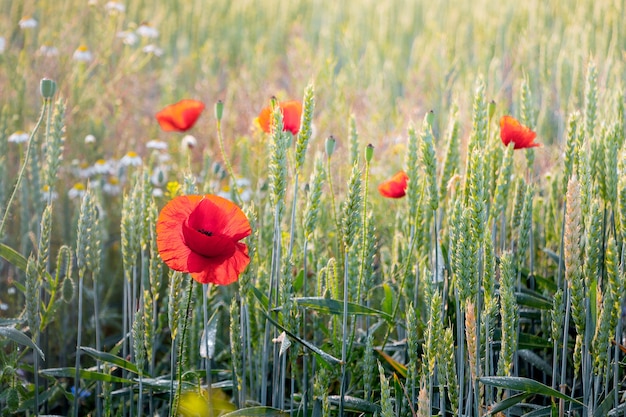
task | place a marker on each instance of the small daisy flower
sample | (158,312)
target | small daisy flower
(18,137)
(101,167)
(77,191)
(114,7)
(146,31)
(112,186)
(162,158)
(12,291)
(48,50)
(4,306)
(27,22)
(3,44)
(129,38)
(130,159)
(188,142)
(82,54)
(153,49)
(157,192)
(90,139)
(83,169)
(47,194)
(157,144)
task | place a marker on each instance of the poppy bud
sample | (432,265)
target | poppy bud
(492,108)
(219,110)
(47,88)
(430,116)
(369,152)
(330,146)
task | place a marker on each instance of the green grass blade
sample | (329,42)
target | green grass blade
(508,403)
(256,412)
(331,306)
(525,385)
(325,357)
(84,374)
(109,358)
(21,338)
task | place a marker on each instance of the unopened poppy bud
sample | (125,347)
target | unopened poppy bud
(219,110)
(330,146)
(430,116)
(369,152)
(492,108)
(67,290)
(48,88)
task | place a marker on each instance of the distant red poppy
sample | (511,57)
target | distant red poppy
(394,187)
(513,131)
(292,112)
(180,116)
(200,235)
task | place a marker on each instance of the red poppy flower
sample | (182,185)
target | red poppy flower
(180,116)
(394,187)
(292,112)
(200,235)
(513,131)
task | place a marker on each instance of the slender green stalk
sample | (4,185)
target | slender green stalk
(20,176)
(181,348)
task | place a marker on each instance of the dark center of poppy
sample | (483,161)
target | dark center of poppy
(205,232)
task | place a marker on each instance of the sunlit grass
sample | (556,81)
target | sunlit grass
(453,290)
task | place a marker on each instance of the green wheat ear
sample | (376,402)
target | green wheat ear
(385,394)
(306,128)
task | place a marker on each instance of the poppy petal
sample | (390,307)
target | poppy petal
(170,240)
(224,271)
(219,215)
(180,116)
(395,187)
(511,130)
(200,235)
(292,114)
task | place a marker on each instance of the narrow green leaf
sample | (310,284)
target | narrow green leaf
(525,385)
(109,358)
(331,306)
(534,300)
(262,298)
(256,412)
(606,405)
(21,338)
(357,405)
(325,357)
(387,306)
(87,375)
(399,368)
(13,257)
(540,412)
(508,403)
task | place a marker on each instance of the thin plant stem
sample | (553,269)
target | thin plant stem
(78,342)
(20,176)
(181,348)
(344,342)
(229,167)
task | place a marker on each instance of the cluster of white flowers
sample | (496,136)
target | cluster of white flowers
(82,53)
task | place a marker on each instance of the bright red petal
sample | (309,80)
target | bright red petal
(220,217)
(292,114)
(180,116)
(512,130)
(394,187)
(224,271)
(170,240)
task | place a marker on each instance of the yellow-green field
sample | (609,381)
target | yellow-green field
(493,284)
